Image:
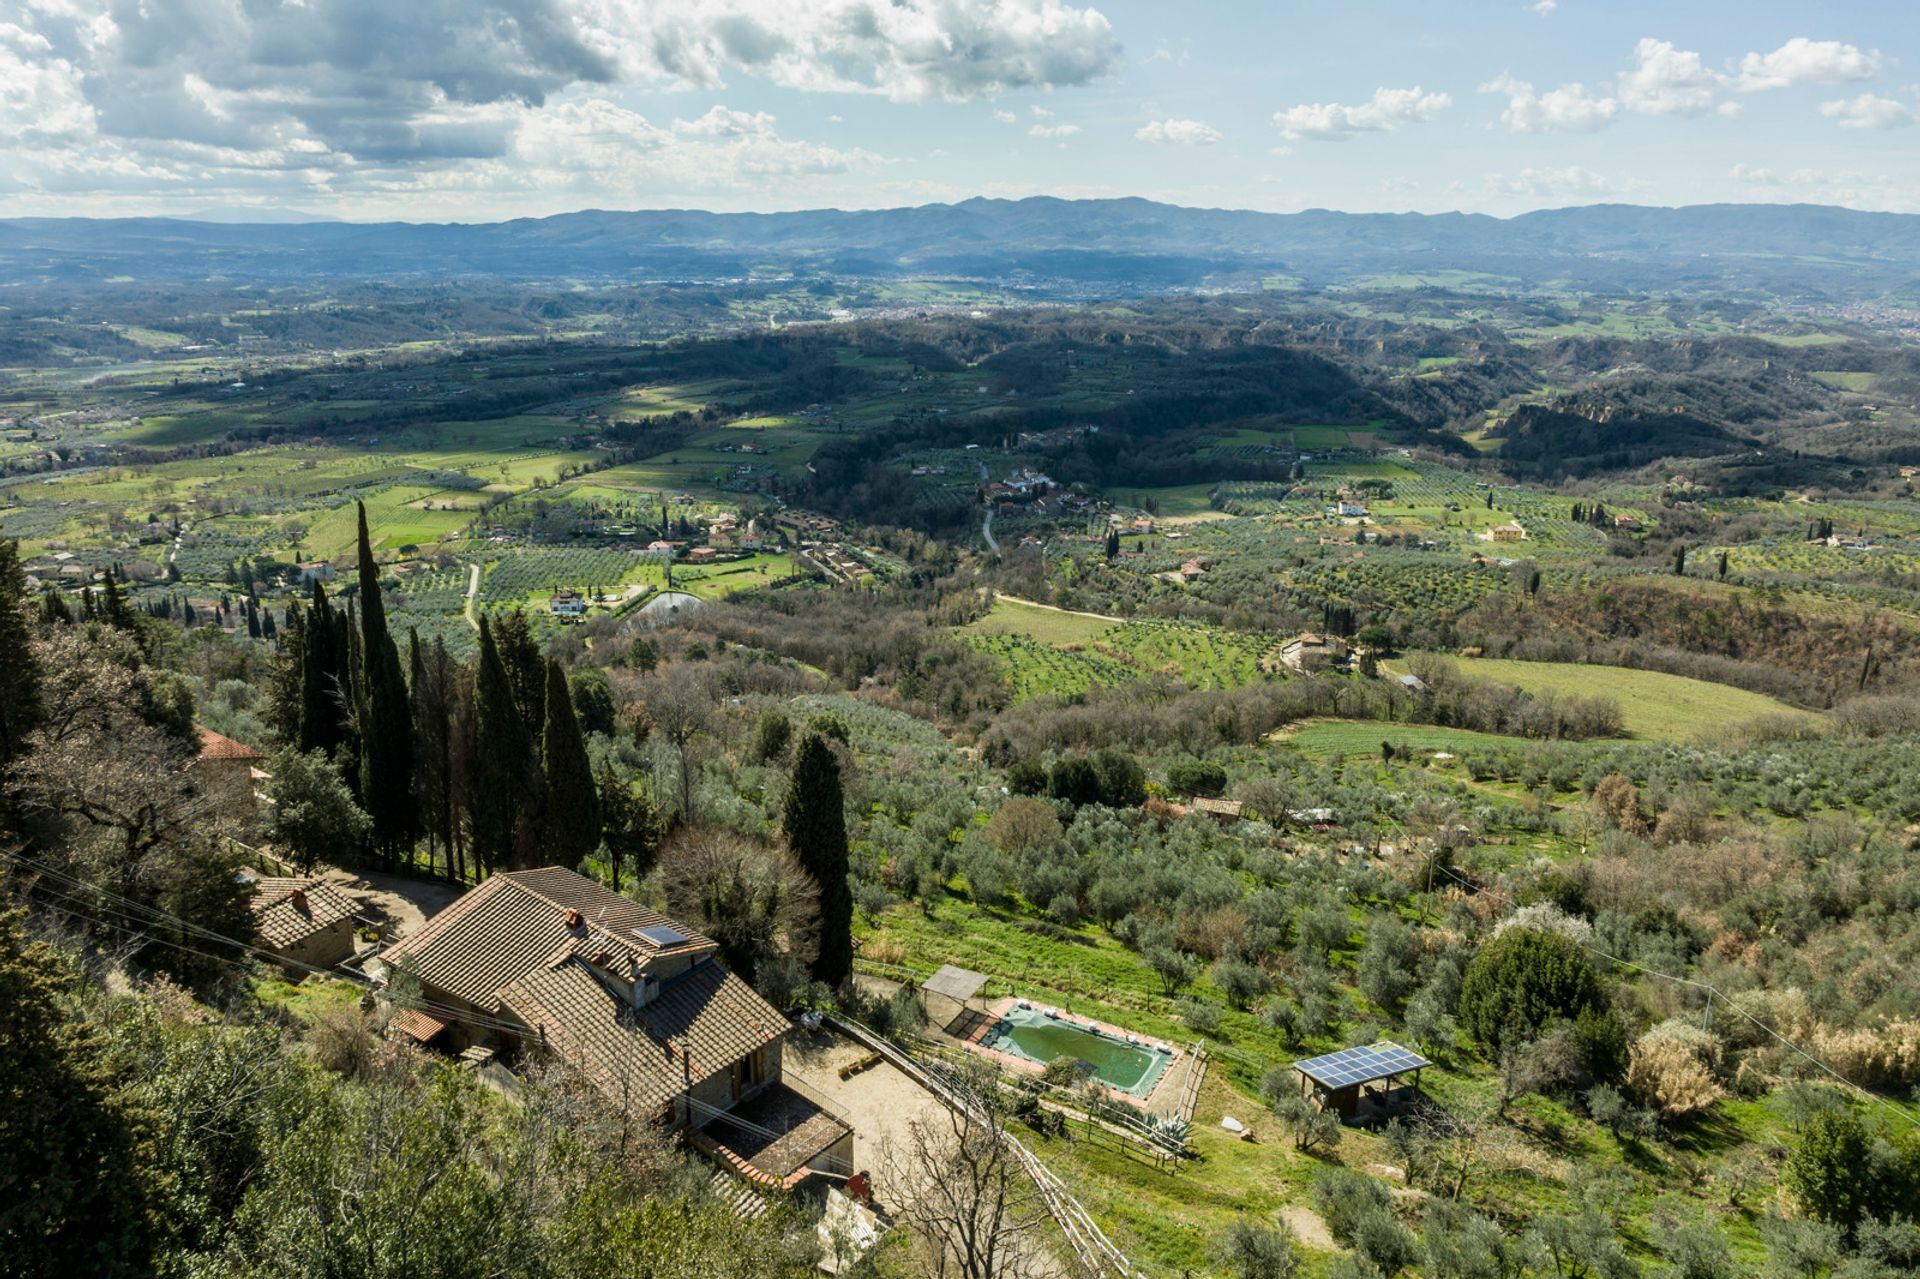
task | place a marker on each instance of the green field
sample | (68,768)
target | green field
(1652,704)
(1339,738)
(1011,616)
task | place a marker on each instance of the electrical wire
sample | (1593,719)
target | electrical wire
(141,917)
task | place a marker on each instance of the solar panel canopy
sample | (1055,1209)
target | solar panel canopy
(1351,1066)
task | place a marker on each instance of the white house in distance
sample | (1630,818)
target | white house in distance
(567,604)
(1351,508)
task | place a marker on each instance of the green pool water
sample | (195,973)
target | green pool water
(1129,1068)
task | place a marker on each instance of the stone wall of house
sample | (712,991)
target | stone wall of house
(331,945)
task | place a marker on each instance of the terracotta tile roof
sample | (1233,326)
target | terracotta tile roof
(517,921)
(215,746)
(287,911)
(520,945)
(422,1026)
(700,1023)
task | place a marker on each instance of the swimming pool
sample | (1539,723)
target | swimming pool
(1029,1033)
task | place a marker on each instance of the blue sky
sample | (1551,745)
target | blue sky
(470,109)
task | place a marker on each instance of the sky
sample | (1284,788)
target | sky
(480,110)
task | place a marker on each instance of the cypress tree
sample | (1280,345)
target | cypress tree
(502,759)
(20,673)
(386,727)
(814,822)
(572,804)
(526,668)
(319,693)
(114,607)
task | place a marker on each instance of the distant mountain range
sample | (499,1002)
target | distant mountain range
(1800,251)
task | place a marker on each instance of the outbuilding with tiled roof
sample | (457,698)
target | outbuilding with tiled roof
(304,921)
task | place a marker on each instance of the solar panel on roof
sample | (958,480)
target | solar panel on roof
(661,935)
(1352,1066)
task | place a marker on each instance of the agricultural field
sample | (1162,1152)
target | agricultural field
(1010,616)
(1345,738)
(1036,670)
(1653,704)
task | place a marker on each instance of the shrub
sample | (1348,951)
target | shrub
(1248,1251)
(1074,780)
(1344,1197)
(1310,1128)
(1522,979)
(1830,1173)
(771,735)
(1022,825)
(1123,784)
(1026,777)
(1197,777)
(1671,1068)
(1200,1015)
(1241,982)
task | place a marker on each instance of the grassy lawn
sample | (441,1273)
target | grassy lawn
(1338,738)
(1010,616)
(1652,704)
(308,999)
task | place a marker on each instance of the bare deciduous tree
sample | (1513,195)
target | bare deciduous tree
(973,1208)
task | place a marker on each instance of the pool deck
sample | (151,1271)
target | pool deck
(975,1036)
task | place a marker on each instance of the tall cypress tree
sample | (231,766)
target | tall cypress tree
(503,763)
(572,804)
(319,677)
(20,672)
(386,719)
(814,822)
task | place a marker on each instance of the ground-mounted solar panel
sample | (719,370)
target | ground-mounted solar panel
(1351,1066)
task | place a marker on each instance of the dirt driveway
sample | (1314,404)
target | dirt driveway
(879,1102)
(396,904)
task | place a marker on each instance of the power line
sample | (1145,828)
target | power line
(140,917)
(1711,990)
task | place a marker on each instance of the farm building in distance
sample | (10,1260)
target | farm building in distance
(1309,652)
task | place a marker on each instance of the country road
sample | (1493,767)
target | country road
(986,530)
(473,589)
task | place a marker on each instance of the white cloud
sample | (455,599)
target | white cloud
(1868,112)
(1665,80)
(222,97)
(1053,130)
(1568,109)
(1005,117)
(1177,132)
(1751,173)
(1040,113)
(1386,111)
(725,122)
(1572,180)
(1804,61)
(1544,7)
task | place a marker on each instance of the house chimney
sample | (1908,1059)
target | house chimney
(573,919)
(298,897)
